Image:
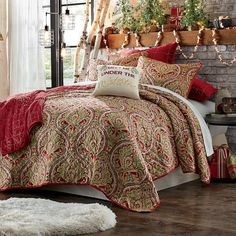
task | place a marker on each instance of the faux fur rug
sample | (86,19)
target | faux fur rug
(33,216)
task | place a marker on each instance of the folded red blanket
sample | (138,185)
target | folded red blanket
(20,113)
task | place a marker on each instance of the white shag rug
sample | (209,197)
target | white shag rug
(35,216)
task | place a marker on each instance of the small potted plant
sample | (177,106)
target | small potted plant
(143,17)
(153,15)
(127,20)
(194,16)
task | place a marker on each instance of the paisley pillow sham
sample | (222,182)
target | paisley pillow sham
(176,77)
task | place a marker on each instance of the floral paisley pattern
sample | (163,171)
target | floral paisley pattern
(176,77)
(117,145)
(131,60)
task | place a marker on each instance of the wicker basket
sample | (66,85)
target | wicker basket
(229,105)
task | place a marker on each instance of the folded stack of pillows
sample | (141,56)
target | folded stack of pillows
(152,66)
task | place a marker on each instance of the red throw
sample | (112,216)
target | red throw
(20,113)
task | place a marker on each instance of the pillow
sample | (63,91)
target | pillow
(201,90)
(165,53)
(120,81)
(92,74)
(128,52)
(176,77)
(131,60)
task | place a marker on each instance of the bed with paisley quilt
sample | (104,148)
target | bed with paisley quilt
(117,145)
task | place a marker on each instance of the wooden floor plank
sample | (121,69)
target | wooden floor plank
(189,209)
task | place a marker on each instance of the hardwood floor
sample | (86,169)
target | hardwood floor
(189,209)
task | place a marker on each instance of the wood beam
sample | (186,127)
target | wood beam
(188,38)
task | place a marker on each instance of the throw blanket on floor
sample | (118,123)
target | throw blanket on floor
(117,145)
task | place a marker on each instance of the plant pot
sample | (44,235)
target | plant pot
(153,28)
(149,28)
(193,27)
(125,31)
(169,27)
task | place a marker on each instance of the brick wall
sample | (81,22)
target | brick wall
(216,8)
(213,71)
(217,74)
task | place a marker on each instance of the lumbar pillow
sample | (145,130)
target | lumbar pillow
(117,81)
(176,77)
(131,60)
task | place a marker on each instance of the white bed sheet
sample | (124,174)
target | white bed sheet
(204,108)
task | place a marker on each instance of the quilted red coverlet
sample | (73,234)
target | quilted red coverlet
(20,113)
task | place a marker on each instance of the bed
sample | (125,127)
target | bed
(174,178)
(140,151)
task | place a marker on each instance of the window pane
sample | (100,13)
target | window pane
(73,1)
(47,51)
(68,66)
(47,66)
(46,9)
(72,37)
(46,2)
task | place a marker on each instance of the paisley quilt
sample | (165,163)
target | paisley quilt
(117,145)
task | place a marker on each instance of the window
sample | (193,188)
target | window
(59,71)
(47,50)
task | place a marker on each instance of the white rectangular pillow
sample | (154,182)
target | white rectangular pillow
(120,81)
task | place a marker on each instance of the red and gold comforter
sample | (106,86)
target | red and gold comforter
(117,145)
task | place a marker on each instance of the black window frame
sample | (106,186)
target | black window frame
(57,78)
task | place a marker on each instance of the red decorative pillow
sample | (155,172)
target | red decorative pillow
(201,90)
(127,52)
(165,53)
